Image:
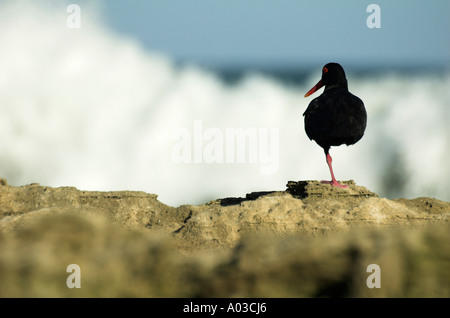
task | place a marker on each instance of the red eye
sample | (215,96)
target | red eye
(325,70)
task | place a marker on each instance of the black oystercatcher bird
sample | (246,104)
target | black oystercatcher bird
(336,117)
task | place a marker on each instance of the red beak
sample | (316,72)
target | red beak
(315,88)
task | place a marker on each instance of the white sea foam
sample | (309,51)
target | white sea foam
(92,109)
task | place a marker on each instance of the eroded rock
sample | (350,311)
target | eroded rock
(310,240)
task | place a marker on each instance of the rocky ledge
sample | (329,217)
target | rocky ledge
(309,240)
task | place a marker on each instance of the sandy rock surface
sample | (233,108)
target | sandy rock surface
(307,241)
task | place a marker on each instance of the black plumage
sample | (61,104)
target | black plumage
(336,117)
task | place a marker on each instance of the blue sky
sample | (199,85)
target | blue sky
(287,32)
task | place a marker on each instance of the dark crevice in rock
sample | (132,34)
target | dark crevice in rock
(184,223)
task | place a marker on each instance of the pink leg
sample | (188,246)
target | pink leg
(333,181)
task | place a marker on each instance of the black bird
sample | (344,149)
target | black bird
(336,117)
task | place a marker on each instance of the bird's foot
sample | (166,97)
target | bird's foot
(336,184)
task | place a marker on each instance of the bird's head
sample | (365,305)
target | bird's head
(333,75)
